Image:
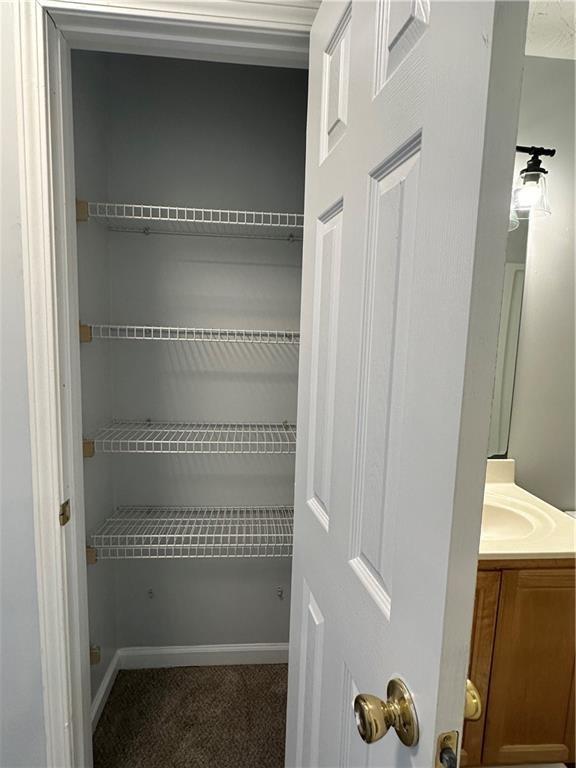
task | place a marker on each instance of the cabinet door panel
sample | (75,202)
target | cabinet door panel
(483,631)
(532,685)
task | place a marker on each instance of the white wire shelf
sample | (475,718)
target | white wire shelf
(164,333)
(182,437)
(164,219)
(172,532)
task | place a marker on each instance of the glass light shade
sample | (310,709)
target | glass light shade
(530,196)
(513,221)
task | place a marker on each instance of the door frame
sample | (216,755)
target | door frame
(236,31)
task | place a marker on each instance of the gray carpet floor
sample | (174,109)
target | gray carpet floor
(194,717)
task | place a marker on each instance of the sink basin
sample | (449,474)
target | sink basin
(503,523)
(518,525)
(512,519)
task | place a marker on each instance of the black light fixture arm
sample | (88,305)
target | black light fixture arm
(534,164)
(542,151)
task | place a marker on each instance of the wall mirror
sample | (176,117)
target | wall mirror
(508,335)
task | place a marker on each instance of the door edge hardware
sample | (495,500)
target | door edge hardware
(473,704)
(447,750)
(375,717)
(64,513)
(95,655)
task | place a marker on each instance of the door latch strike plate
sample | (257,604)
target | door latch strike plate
(448,740)
(64,515)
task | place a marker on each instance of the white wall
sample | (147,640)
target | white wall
(22,739)
(542,428)
(208,135)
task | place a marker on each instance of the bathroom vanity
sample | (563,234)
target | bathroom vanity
(522,651)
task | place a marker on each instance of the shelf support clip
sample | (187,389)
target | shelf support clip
(81,210)
(91,555)
(87,449)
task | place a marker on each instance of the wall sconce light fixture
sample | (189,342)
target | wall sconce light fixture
(530,195)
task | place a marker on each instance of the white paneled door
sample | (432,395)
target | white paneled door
(411,132)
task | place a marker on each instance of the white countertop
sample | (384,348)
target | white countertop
(517,524)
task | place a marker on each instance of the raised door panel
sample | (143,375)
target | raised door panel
(324,341)
(483,631)
(385,323)
(311,643)
(529,716)
(335,85)
(400,24)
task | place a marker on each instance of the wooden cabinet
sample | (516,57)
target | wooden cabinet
(522,662)
(532,681)
(483,631)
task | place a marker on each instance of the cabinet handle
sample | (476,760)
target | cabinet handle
(473,705)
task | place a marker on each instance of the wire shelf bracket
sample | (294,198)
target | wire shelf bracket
(200,532)
(165,333)
(182,437)
(165,219)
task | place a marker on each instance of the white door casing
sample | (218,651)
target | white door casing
(410,149)
(68,319)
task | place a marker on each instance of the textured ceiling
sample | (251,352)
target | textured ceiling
(551,29)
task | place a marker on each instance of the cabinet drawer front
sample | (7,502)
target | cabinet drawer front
(530,709)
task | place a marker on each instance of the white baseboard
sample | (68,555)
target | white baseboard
(203,655)
(104,689)
(153,657)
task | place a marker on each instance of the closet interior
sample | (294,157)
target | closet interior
(190,194)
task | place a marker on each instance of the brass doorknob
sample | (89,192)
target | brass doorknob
(473,705)
(375,717)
